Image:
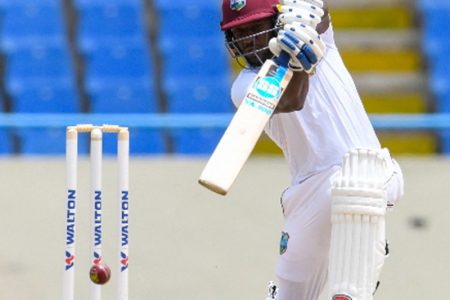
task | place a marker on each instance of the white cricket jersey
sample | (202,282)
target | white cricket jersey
(332,121)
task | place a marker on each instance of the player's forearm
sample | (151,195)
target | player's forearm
(294,97)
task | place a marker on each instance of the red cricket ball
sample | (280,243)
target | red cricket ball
(100,274)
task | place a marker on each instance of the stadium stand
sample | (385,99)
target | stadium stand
(122,98)
(47,142)
(198,95)
(5,138)
(195,68)
(184,56)
(436,42)
(188,18)
(5,142)
(8,3)
(59,53)
(103,22)
(118,68)
(107,65)
(126,96)
(45,97)
(39,74)
(80,3)
(27,65)
(26,23)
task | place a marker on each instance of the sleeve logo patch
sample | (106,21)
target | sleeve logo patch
(283,242)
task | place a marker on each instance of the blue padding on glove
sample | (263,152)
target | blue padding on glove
(287,42)
(309,53)
(304,61)
(292,37)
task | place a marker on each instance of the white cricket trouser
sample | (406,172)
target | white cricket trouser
(302,269)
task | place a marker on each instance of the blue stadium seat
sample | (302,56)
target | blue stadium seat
(125,97)
(445,141)
(435,41)
(198,95)
(51,63)
(10,3)
(142,142)
(112,23)
(45,97)
(440,73)
(188,18)
(435,47)
(48,141)
(5,137)
(129,97)
(427,5)
(5,142)
(196,141)
(194,57)
(436,25)
(167,5)
(32,24)
(119,63)
(86,3)
(443,102)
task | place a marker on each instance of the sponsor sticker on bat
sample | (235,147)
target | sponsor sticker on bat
(264,91)
(268,87)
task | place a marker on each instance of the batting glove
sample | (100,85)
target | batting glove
(302,43)
(308,12)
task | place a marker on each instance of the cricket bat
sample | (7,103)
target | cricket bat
(247,125)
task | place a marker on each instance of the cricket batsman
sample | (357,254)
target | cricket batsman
(343,182)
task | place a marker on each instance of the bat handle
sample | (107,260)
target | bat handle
(283,59)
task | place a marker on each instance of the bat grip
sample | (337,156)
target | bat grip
(283,59)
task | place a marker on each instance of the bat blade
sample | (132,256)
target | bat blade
(245,128)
